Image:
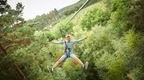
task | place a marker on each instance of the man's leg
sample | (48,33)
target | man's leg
(73,56)
(63,57)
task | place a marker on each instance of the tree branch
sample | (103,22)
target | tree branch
(2,48)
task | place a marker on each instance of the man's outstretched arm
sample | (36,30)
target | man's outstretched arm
(58,42)
(80,39)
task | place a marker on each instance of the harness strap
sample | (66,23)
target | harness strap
(69,50)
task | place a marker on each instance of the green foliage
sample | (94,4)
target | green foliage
(10,40)
(119,16)
(95,16)
(61,29)
(114,47)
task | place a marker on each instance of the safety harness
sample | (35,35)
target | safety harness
(66,48)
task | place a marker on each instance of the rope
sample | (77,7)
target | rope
(74,15)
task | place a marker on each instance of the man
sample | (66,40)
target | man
(68,51)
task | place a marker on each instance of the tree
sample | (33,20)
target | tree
(9,20)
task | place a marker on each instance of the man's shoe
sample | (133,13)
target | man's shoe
(86,65)
(52,69)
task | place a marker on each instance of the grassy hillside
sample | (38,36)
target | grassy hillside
(74,7)
(55,15)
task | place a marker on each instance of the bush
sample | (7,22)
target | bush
(93,17)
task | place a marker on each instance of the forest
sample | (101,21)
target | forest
(114,45)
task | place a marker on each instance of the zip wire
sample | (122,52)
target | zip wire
(77,12)
(74,15)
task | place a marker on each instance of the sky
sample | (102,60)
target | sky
(38,7)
